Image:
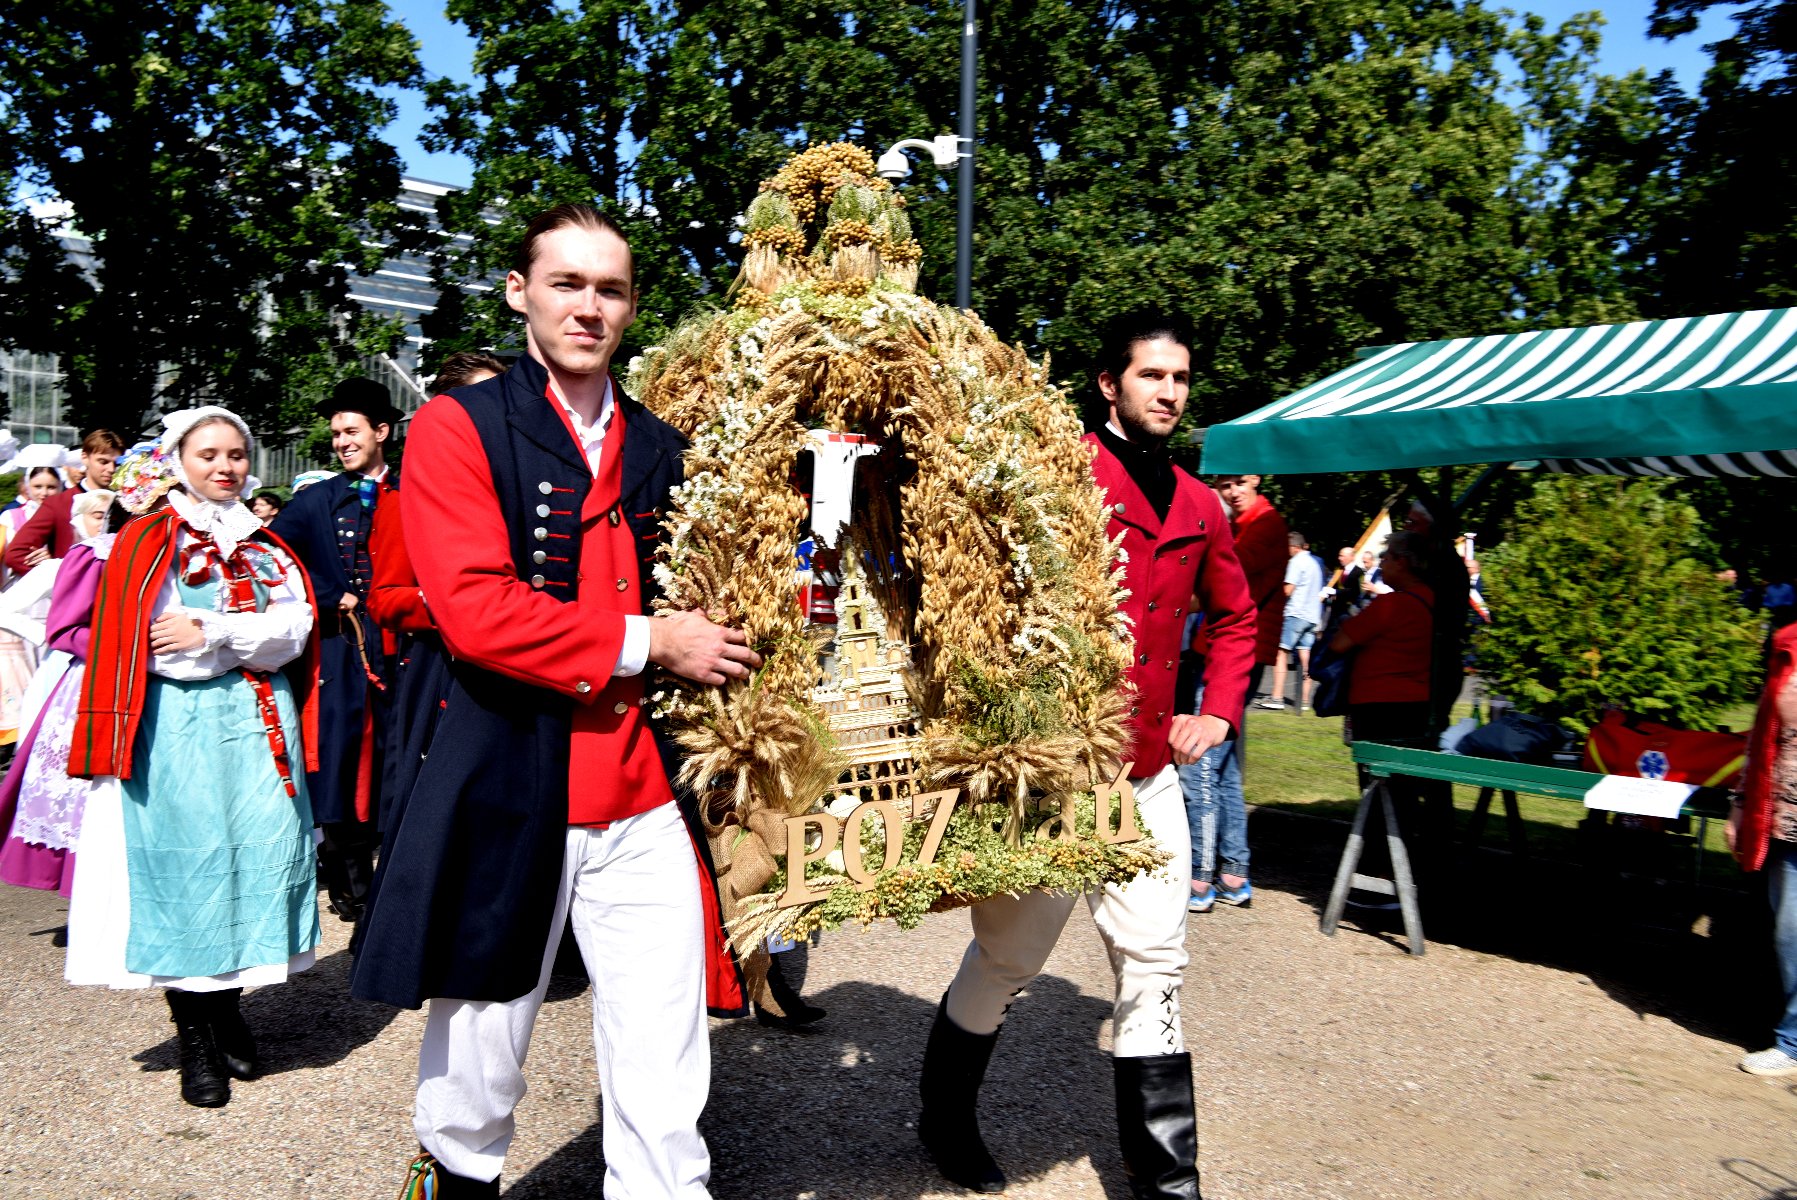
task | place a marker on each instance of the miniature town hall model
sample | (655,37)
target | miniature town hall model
(865,701)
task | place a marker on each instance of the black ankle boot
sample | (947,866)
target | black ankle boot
(236,1045)
(430,1180)
(203,1080)
(798,1013)
(954,1066)
(1157,1129)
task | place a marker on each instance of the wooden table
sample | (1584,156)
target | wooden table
(1492,777)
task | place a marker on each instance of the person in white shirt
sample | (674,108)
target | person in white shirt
(1303,614)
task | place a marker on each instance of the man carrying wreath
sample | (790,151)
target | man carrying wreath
(1180,556)
(530,511)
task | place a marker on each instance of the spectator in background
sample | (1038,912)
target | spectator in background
(1779,599)
(1346,597)
(1762,833)
(267,506)
(1372,581)
(1389,686)
(1260,544)
(1450,586)
(1303,615)
(50,533)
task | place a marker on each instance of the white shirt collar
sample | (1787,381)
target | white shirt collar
(228,523)
(591,437)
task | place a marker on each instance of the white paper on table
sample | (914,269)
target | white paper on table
(1643,797)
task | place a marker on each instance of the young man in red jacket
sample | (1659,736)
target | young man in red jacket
(529,515)
(1180,554)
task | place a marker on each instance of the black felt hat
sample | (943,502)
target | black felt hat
(359,394)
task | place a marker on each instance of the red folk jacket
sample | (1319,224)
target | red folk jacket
(1755,832)
(395,600)
(1260,542)
(1188,559)
(49,527)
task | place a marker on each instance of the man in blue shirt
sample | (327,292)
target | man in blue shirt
(1303,615)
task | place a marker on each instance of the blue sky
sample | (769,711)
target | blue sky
(447,51)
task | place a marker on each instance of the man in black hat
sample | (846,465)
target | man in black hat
(327,525)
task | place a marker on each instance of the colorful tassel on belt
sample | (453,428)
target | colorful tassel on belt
(421,1180)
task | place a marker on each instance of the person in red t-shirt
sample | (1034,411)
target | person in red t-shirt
(1260,543)
(1388,688)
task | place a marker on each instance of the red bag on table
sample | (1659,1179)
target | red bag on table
(1625,745)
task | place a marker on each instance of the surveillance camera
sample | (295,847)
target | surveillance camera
(894,165)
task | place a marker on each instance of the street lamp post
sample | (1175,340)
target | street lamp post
(964,208)
(946,151)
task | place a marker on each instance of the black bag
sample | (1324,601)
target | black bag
(1516,737)
(1331,673)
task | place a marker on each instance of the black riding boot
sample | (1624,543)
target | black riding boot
(1157,1129)
(203,1080)
(798,1013)
(954,1066)
(236,1045)
(426,1168)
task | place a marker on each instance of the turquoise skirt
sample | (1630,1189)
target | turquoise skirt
(220,857)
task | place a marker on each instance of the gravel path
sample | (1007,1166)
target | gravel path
(1540,1053)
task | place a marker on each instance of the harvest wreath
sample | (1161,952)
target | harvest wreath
(970,706)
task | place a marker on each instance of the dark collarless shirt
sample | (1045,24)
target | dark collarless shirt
(1149,468)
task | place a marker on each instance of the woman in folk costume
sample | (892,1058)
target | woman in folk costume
(196,874)
(40,804)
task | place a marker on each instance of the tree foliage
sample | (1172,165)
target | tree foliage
(1606,593)
(1723,230)
(224,158)
(1299,179)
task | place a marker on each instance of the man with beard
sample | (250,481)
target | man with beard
(1180,553)
(328,527)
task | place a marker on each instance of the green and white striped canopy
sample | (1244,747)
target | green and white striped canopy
(1696,395)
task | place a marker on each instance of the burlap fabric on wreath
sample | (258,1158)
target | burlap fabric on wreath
(979,538)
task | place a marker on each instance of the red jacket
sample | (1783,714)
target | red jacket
(490,616)
(1260,542)
(49,526)
(1187,559)
(1762,755)
(395,600)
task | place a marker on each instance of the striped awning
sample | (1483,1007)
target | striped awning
(1710,395)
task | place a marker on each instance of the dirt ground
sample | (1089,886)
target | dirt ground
(1563,1037)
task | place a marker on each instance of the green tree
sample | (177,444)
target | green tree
(224,158)
(1299,179)
(1726,236)
(1606,593)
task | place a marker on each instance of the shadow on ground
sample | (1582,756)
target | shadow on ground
(832,1112)
(309,1021)
(1630,920)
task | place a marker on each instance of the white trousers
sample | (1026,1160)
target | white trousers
(1143,924)
(633,892)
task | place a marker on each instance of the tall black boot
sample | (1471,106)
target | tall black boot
(798,1013)
(430,1180)
(236,1045)
(203,1080)
(1157,1128)
(954,1066)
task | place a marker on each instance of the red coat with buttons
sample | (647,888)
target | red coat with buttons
(1175,564)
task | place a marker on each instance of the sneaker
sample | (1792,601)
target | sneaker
(1275,705)
(1241,897)
(1769,1062)
(1202,902)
